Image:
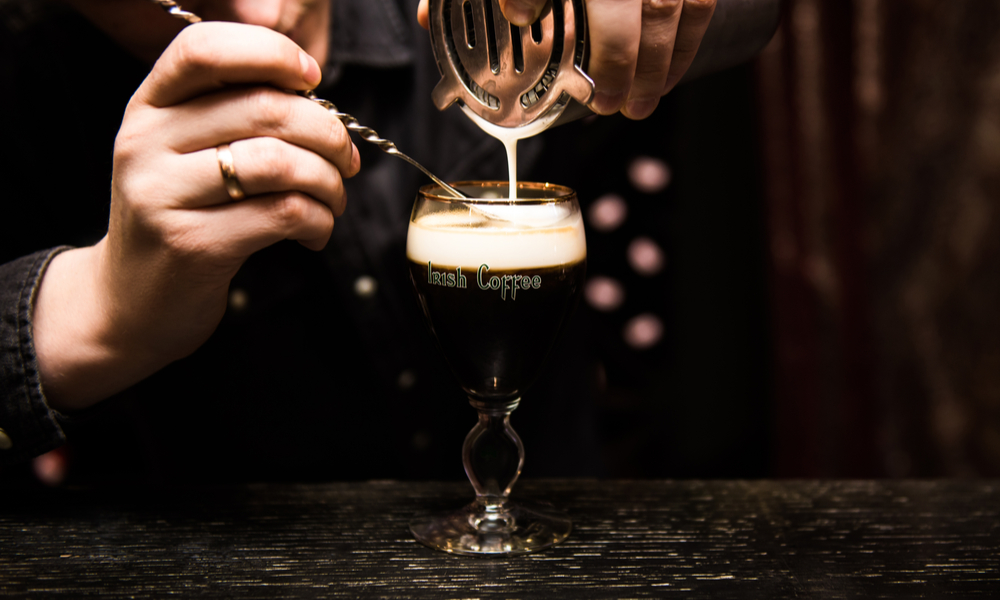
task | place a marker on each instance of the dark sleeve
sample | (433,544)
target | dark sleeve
(28,427)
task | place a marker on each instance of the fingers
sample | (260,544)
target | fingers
(264,166)
(519,12)
(241,228)
(268,219)
(207,56)
(615,29)
(237,114)
(522,12)
(291,194)
(640,49)
(656,46)
(694,23)
(423,14)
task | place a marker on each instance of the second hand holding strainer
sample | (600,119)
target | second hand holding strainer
(366,133)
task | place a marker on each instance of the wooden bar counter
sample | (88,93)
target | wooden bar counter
(631,539)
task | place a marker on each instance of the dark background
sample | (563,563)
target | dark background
(829,295)
(697,402)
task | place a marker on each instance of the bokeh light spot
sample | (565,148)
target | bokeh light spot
(51,468)
(645,256)
(607,213)
(604,294)
(648,174)
(365,286)
(238,299)
(643,331)
(406,380)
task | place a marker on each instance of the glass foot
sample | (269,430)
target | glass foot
(519,528)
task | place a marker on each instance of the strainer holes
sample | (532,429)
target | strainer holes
(470,26)
(517,48)
(536,31)
(491,37)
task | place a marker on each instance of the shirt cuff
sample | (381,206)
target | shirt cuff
(29,427)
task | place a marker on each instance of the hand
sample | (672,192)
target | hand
(156,286)
(639,49)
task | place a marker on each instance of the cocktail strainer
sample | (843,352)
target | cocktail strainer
(508,75)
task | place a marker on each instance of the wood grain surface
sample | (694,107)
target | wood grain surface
(645,539)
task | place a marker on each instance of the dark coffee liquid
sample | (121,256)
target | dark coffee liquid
(496,339)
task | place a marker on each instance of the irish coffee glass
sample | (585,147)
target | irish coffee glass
(496,281)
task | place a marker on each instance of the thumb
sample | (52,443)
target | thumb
(522,12)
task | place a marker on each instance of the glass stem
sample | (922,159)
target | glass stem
(493,454)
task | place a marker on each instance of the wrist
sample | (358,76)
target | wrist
(78,362)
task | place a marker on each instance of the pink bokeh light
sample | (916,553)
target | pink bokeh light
(649,175)
(604,294)
(645,256)
(607,213)
(643,331)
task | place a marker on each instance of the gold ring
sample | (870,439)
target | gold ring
(228,169)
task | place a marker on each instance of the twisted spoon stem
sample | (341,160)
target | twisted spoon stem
(366,133)
(370,135)
(175,10)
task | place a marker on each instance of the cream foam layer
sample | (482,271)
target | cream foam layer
(449,240)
